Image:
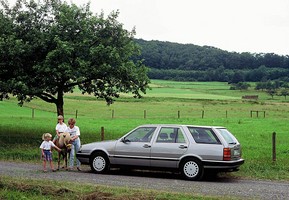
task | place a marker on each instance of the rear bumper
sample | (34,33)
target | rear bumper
(233,164)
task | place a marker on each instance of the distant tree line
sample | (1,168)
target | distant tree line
(188,62)
(279,88)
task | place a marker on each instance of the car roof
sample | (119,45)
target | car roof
(180,125)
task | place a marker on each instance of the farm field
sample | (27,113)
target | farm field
(200,103)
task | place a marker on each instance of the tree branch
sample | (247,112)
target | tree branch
(79,82)
(46,97)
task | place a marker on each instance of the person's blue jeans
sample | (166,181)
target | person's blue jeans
(75,146)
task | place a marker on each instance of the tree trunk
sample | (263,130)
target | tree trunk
(59,104)
(59,108)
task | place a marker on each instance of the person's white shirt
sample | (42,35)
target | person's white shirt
(46,145)
(61,127)
(73,131)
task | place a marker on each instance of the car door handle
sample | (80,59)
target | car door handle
(147,146)
(183,147)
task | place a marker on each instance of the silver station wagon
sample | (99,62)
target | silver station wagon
(189,149)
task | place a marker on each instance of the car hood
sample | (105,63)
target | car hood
(99,145)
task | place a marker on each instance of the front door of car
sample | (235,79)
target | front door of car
(168,147)
(135,148)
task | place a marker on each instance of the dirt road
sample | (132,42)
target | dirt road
(230,187)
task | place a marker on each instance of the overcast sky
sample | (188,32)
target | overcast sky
(256,26)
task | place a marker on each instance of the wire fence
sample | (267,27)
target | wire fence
(177,114)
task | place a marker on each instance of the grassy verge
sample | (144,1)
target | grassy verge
(15,188)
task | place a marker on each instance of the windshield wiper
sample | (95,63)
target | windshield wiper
(233,143)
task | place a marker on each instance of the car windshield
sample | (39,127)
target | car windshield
(230,139)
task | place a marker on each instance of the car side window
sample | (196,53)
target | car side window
(204,135)
(170,135)
(180,138)
(142,134)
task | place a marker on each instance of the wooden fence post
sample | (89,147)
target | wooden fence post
(274,146)
(102,133)
(144,114)
(76,112)
(203,113)
(179,114)
(226,114)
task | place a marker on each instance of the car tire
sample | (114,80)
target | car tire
(192,169)
(99,163)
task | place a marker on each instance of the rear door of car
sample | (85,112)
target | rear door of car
(167,148)
(135,148)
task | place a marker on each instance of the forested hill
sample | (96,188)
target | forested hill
(190,62)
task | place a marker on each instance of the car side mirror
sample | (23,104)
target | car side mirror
(124,140)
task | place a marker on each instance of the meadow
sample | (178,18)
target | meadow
(17,188)
(169,102)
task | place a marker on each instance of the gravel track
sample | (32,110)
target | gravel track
(220,186)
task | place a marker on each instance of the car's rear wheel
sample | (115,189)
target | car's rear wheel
(192,169)
(99,162)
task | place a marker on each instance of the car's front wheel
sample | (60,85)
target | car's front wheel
(99,163)
(192,169)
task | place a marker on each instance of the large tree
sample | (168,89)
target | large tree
(50,47)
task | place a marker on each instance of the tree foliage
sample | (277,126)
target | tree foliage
(240,86)
(49,47)
(280,88)
(192,62)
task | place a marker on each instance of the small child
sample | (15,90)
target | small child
(46,147)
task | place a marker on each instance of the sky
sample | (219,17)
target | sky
(255,26)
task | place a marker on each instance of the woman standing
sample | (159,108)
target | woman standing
(74,134)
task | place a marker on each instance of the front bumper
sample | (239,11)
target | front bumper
(83,158)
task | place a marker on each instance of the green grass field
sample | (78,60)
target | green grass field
(200,103)
(17,188)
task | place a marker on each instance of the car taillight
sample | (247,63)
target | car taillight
(227,154)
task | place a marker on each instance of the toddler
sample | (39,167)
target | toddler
(46,147)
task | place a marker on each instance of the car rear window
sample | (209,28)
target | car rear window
(230,139)
(204,135)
